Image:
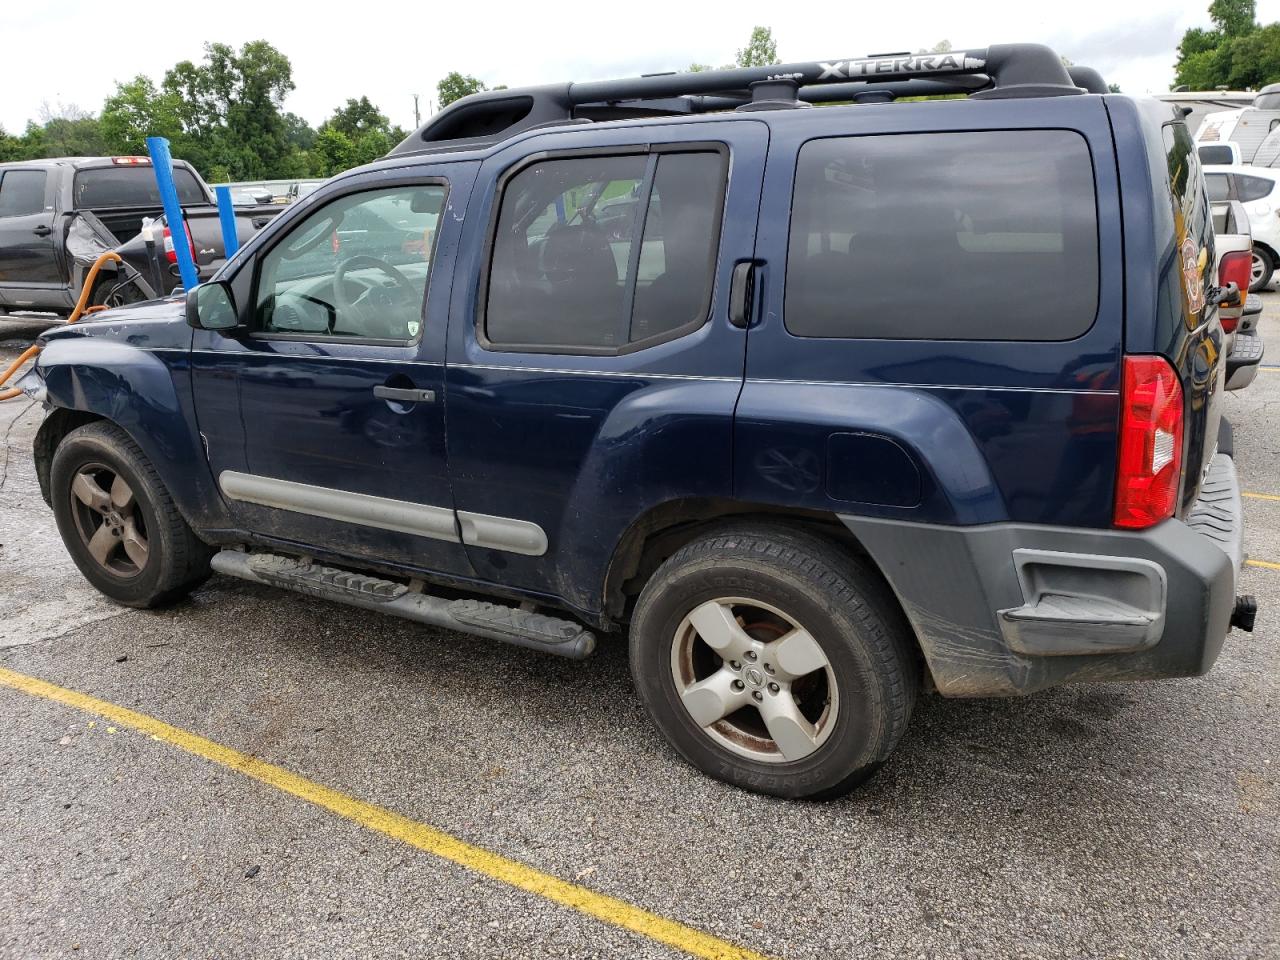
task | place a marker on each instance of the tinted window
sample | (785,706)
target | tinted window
(1253,188)
(1218,153)
(1217,185)
(355,268)
(947,236)
(131,187)
(595,253)
(21,192)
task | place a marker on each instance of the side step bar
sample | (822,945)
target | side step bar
(477,617)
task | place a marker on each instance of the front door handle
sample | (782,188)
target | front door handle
(404,394)
(42,231)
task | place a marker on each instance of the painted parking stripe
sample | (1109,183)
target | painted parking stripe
(1268,564)
(391,824)
(1260,496)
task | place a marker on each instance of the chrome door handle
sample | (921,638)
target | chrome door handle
(405,394)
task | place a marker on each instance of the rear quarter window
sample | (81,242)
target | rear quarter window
(944,236)
(131,187)
(1252,188)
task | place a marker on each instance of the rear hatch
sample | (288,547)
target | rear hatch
(1196,347)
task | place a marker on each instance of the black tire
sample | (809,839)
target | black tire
(1261,269)
(176,559)
(112,292)
(831,594)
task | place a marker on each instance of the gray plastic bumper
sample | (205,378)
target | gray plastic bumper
(1012,608)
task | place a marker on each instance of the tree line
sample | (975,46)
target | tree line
(226,116)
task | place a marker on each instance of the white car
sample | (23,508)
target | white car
(1255,187)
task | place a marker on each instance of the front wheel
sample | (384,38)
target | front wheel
(119,523)
(774,661)
(1260,270)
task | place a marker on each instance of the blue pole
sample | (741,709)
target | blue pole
(162,163)
(227,217)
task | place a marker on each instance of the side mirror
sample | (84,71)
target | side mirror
(211,306)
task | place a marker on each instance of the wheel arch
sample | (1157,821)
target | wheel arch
(60,422)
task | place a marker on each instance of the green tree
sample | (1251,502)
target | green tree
(455,86)
(761,50)
(138,110)
(1236,52)
(230,107)
(332,153)
(69,131)
(1234,18)
(357,118)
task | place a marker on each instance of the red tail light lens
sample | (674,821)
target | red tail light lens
(1235,268)
(1150,462)
(170,254)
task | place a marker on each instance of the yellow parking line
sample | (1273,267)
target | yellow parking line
(1260,496)
(443,845)
(1263,563)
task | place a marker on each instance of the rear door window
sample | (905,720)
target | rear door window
(21,192)
(1218,186)
(1252,188)
(601,254)
(944,236)
(133,186)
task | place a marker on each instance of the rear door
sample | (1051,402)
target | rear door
(592,370)
(28,257)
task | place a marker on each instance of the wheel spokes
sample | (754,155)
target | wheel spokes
(102,543)
(121,494)
(89,492)
(720,631)
(795,736)
(135,545)
(714,698)
(796,654)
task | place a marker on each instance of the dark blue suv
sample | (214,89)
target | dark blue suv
(820,403)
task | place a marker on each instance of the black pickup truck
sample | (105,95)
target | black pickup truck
(57,216)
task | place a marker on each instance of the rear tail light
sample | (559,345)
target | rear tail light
(1150,461)
(1235,268)
(170,254)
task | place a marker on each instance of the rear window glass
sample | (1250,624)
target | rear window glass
(1217,185)
(944,236)
(131,187)
(1217,153)
(21,192)
(1252,188)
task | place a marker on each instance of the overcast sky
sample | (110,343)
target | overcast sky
(73,51)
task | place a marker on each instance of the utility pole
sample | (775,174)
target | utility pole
(417,117)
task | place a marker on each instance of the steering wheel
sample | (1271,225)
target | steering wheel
(378,311)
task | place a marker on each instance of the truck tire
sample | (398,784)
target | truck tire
(1260,270)
(119,523)
(111,292)
(775,661)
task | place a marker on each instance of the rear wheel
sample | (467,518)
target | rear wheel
(113,292)
(1260,270)
(774,661)
(119,523)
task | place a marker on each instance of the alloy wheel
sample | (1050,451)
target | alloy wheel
(754,680)
(109,521)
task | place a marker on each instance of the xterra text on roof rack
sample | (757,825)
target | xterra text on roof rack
(819,404)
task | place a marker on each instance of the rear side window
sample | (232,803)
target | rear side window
(1252,188)
(131,187)
(21,192)
(598,254)
(1217,185)
(944,236)
(1216,153)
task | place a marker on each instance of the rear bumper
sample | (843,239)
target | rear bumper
(1243,360)
(1008,608)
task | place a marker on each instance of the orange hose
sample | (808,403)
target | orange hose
(82,306)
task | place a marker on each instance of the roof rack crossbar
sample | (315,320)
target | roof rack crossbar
(1001,70)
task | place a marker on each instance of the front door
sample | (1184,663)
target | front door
(324,415)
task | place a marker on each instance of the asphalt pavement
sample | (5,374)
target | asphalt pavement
(1110,820)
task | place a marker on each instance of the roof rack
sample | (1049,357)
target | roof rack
(999,71)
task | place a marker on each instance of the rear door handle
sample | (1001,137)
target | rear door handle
(404,394)
(742,293)
(42,231)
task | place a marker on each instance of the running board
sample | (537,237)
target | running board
(494,621)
